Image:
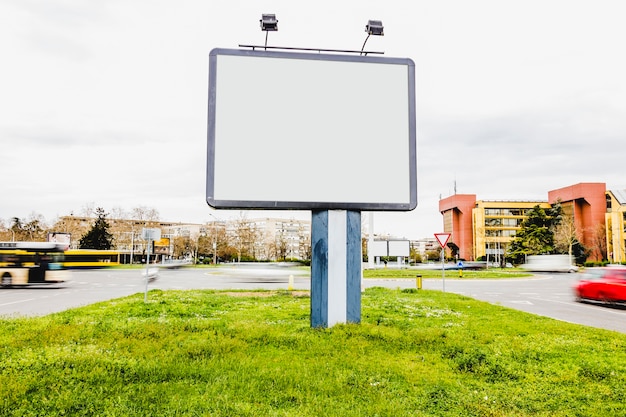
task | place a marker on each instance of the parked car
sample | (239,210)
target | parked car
(602,284)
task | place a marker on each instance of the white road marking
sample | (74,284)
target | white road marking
(17,302)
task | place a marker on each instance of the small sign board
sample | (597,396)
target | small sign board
(150,234)
(442,238)
(399,248)
(378,248)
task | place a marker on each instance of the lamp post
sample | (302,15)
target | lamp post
(214,239)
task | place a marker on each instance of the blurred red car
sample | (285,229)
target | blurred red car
(602,284)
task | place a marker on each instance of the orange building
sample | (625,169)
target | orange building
(457,220)
(485,228)
(586,204)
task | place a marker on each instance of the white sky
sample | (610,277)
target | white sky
(104,103)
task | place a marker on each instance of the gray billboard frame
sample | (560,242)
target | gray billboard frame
(314,204)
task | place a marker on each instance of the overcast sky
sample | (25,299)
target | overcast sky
(104,103)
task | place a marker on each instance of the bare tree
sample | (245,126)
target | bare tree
(88,210)
(244,238)
(566,235)
(280,245)
(304,240)
(148,215)
(118,213)
(598,240)
(5,233)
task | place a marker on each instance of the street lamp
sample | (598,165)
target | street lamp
(214,239)
(373,27)
(269,23)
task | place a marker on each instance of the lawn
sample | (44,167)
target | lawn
(214,353)
(492,273)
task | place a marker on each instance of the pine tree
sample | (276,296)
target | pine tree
(536,235)
(98,237)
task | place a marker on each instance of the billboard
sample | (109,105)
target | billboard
(399,248)
(60,237)
(291,130)
(378,248)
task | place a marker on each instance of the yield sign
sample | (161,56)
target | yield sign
(442,238)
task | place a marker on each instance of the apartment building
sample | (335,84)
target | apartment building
(483,228)
(616,225)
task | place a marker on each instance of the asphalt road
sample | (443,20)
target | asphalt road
(548,295)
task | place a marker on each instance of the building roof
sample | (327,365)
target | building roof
(620,195)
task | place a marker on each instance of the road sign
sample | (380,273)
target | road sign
(442,238)
(150,234)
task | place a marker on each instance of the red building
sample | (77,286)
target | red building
(586,204)
(482,228)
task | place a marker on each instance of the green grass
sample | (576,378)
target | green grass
(493,273)
(211,353)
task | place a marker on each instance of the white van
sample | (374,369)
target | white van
(549,263)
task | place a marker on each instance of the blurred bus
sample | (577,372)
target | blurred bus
(26,263)
(91,258)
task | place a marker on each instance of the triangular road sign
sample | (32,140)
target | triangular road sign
(442,238)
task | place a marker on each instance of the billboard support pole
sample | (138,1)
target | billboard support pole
(335,267)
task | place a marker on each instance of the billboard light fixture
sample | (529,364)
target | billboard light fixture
(269,23)
(373,27)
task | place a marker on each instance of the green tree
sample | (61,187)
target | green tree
(536,235)
(454,249)
(98,237)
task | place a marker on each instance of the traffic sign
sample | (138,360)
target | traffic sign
(442,238)
(150,234)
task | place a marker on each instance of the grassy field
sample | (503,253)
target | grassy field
(391,272)
(211,353)
(493,273)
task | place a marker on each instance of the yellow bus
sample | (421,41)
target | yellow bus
(26,263)
(91,258)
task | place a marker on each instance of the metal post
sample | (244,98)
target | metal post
(145,297)
(335,267)
(443,270)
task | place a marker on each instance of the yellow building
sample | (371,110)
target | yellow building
(485,227)
(495,224)
(615,224)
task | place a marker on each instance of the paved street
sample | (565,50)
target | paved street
(548,295)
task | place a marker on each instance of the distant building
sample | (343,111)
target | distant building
(616,225)
(273,238)
(484,228)
(586,204)
(424,245)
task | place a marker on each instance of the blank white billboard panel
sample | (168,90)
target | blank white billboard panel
(399,248)
(311,131)
(378,248)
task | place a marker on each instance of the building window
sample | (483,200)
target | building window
(491,222)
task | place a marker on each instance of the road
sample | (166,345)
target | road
(549,295)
